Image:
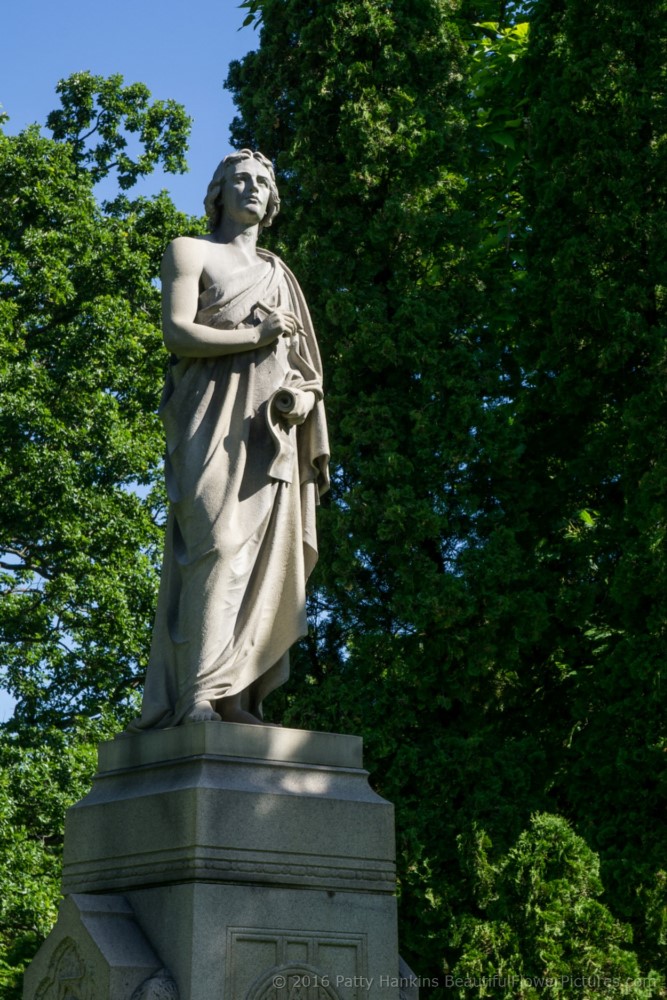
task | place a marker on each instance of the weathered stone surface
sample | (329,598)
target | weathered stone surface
(256,817)
(293,746)
(247,936)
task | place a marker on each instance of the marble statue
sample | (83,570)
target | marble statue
(246,462)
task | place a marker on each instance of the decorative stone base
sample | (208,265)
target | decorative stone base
(256,862)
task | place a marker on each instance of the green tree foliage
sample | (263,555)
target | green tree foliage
(544,932)
(97,118)
(81,364)
(476,211)
(42,773)
(590,422)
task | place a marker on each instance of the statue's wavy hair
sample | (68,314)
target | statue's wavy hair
(213,199)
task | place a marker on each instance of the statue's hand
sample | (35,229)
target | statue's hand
(304,401)
(279,323)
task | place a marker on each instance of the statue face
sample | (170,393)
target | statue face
(245,194)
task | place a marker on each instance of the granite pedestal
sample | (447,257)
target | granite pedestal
(236,863)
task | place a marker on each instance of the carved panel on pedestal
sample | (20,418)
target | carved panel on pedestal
(67,977)
(274,964)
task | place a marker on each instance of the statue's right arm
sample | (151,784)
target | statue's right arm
(182,267)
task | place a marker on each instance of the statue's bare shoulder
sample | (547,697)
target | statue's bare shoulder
(185,255)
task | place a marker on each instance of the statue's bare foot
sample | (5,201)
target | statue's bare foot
(231,711)
(202,711)
(234,713)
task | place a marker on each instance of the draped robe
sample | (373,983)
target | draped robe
(243,486)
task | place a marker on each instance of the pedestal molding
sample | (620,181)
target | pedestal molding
(245,867)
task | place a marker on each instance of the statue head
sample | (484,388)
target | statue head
(213,199)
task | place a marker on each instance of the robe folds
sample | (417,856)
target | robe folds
(243,487)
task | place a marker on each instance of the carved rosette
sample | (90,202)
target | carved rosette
(293,982)
(161,986)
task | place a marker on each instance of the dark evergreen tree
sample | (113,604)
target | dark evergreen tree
(591,425)
(478,221)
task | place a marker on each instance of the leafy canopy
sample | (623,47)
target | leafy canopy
(81,364)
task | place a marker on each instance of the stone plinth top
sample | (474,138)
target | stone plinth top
(231,739)
(223,802)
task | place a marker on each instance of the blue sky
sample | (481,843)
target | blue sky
(180,50)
